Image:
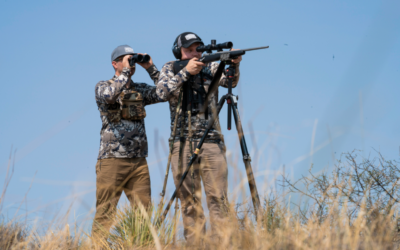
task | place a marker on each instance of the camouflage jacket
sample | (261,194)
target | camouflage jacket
(169,87)
(123,139)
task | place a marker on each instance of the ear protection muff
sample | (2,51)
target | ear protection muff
(176,50)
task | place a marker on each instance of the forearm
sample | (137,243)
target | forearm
(153,73)
(109,93)
(148,93)
(152,97)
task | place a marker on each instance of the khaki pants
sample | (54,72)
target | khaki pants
(114,175)
(211,167)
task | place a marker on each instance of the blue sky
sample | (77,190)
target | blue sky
(331,89)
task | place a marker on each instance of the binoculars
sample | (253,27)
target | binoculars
(136,58)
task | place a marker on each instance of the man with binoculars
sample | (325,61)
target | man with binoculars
(211,165)
(121,163)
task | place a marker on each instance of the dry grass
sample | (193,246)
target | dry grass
(354,207)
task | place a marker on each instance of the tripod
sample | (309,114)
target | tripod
(232,108)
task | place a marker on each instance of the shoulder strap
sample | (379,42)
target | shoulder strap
(176,67)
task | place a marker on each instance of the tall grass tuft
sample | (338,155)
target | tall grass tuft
(11,234)
(136,227)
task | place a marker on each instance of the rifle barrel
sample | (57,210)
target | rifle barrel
(249,49)
(256,48)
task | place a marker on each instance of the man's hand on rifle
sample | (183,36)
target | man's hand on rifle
(237,60)
(194,67)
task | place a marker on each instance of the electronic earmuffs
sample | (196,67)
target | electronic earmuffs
(176,50)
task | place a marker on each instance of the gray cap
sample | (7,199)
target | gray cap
(121,51)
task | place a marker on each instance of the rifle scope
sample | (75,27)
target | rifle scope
(214,46)
(138,59)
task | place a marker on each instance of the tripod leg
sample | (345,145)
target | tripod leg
(230,73)
(246,157)
(175,221)
(171,146)
(229,114)
(192,159)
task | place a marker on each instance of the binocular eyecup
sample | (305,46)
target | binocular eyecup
(138,59)
(214,46)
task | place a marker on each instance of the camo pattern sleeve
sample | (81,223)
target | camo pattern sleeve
(169,84)
(154,73)
(108,93)
(149,93)
(224,80)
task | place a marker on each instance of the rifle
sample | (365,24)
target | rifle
(218,56)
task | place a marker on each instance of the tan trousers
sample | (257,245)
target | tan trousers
(212,168)
(114,175)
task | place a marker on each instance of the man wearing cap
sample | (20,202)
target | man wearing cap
(211,165)
(121,163)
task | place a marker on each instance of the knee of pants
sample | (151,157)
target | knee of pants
(143,196)
(145,200)
(104,208)
(107,195)
(217,200)
(218,203)
(191,207)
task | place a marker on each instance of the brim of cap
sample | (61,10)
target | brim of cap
(124,54)
(187,45)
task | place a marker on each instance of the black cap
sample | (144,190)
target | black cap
(186,39)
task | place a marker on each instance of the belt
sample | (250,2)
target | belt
(217,141)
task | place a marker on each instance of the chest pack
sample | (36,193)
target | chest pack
(129,106)
(132,105)
(194,93)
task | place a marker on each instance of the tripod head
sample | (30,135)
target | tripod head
(214,46)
